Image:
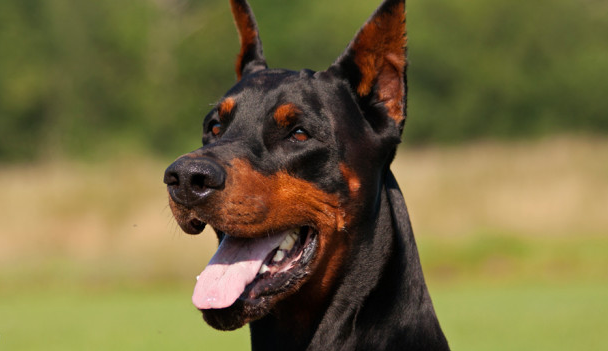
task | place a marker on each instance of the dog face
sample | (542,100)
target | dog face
(290,162)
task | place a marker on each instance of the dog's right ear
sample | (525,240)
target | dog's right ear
(250,59)
(374,63)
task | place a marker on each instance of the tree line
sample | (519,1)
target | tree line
(93,78)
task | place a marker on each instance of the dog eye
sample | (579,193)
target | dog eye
(215,128)
(299,134)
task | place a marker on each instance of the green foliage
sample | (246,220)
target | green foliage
(486,69)
(87,78)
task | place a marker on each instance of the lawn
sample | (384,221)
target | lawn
(474,317)
(525,316)
(115,319)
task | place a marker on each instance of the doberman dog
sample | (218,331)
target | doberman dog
(316,248)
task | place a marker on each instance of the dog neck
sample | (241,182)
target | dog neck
(382,302)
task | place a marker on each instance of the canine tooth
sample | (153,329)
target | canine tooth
(279,256)
(264,269)
(197,277)
(287,243)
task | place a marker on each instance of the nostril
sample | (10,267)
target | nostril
(207,176)
(171,178)
(198,182)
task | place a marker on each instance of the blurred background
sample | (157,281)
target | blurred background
(504,164)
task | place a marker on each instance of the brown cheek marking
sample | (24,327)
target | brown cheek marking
(285,114)
(255,204)
(380,56)
(247,32)
(354,184)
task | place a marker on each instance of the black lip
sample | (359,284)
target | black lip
(193,226)
(197,224)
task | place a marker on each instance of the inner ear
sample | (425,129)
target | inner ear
(375,60)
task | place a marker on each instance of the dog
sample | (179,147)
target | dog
(316,250)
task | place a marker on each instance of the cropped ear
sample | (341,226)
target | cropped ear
(374,63)
(250,59)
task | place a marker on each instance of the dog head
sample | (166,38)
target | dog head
(291,164)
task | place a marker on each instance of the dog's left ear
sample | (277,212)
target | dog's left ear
(250,59)
(374,63)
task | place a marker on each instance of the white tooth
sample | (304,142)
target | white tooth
(197,277)
(279,256)
(294,235)
(264,269)
(287,243)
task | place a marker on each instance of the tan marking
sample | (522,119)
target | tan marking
(254,204)
(354,184)
(225,107)
(285,114)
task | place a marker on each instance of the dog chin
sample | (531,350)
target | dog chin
(235,316)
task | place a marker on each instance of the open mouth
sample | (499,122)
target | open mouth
(251,269)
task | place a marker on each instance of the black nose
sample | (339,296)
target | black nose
(191,180)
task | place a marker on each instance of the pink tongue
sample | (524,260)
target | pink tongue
(234,265)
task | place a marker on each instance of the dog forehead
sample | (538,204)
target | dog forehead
(262,94)
(271,88)
(268,83)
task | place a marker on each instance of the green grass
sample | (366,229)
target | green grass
(474,317)
(490,257)
(525,317)
(71,319)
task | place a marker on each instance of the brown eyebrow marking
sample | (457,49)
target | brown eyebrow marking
(225,107)
(285,114)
